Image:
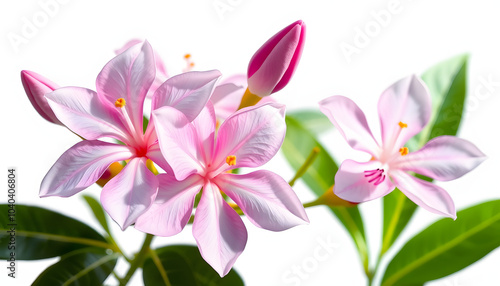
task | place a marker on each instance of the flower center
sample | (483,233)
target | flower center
(375,176)
(231,160)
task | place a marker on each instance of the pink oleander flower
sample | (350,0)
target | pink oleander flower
(116,111)
(36,86)
(200,158)
(404,110)
(273,65)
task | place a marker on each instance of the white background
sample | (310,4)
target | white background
(73,43)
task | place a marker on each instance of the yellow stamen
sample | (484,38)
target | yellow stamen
(402,125)
(120,102)
(404,151)
(231,160)
(187,56)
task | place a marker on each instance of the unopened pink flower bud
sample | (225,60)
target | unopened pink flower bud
(273,65)
(36,86)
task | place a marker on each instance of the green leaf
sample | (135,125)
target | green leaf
(88,266)
(178,265)
(446,246)
(447,83)
(145,122)
(41,233)
(98,212)
(314,121)
(320,177)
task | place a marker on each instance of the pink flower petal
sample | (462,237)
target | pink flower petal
(36,86)
(352,181)
(129,76)
(82,111)
(204,125)
(348,118)
(188,92)
(81,166)
(173,206)
(443,158)
(227,95)
(267,200)
(234,85)
(130,193)
(154,153)
(161,70)
(425,194)
(253,135)
(219,231)
(407,101)
(179,142)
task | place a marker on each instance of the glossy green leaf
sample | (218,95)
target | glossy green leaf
(320,177)
(178,265)
(447,83)
(98,212)
(446,246)
(313,120)
(88,266)
(41,233)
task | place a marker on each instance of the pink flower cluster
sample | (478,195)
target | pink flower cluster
(197,137)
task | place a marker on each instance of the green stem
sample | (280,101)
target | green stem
(138,259)
(307,163)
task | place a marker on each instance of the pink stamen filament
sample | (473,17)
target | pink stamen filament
(377,176)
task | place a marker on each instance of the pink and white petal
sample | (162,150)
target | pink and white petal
(351,122)
(81,166)
(407,101)
(425,194)
(82,111)
(155,155)
(233,86)
(130,193)
(160,65)
(219,231)
(128,45)
(443,158)
(188,92)
(253,134)
(204,125)
(229,104)
(179,142)
(266,199)
(129,75)
(357,182)
(173,206)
